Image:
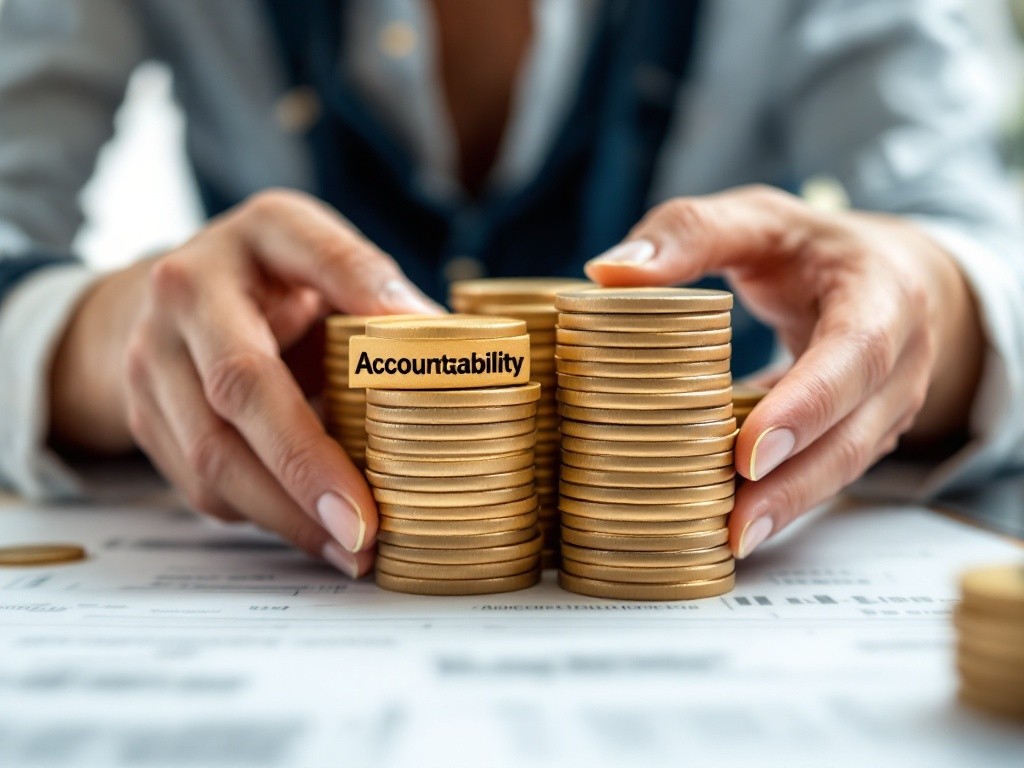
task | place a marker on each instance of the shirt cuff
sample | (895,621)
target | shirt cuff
(32,321)
(996,419)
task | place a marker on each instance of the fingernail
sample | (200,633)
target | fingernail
(398,296)
(630,253)
(771,448)
(754,535)
(340,516)
(340,559)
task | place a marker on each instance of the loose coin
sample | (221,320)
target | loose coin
(451,484)
(40,554)
(636,575)
(998,589)
(654,416)
(529,548)
(466,465)
(457,541)
(634,527)
(617,433)
(619,559)
(645,480)
(457,586)
(446,327)
(666,400)
(645,513)
(451,571)
(613,591)
(644,323)
(643,300)
(653,340)
(455,499)
(646,495)
(668,464)
(990,702)
(647,355)
(455,398)
(674,543)
(450,415)
(642,370)
(458,527)
(439,449)
(446,432)
(456,513)
(673,448)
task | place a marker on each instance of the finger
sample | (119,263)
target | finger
(839,457)
(248,385)
(689,237)
(221,462)
(305,241)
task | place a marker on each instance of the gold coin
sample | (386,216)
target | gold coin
(637,575)
(450,484)
(647,495)
(1003,653)
(648,355)
(549,559)
(644,527)
(645,323)
(652,340)
(641,370)
(446,432)
(455,398)
(998,589)
(457,586)
(452,571)
(645,543)
(613,591)
(992,703)
(450,415)
(989,673)
(747,396)
(706,399)
(455,513)
(637,301)
(664,465)
(429,467)
(458,527)
(439,449)
(674,448)
(514,290)
(446,327)
(616,433)
(977,624)
(694,510)
(536,316)
(346,326)
(457,541)
(644,386)
(634,416)
(530,548)
(641,479)
(454,499)
(40,554)
(619,559)
(542,338)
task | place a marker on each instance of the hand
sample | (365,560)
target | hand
(183,356)
(881,324)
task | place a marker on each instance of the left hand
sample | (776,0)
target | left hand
(882,326)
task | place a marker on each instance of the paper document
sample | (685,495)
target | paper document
(184,643)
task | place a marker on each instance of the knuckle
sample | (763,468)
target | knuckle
(233,381)
(138,424)
(294,467)
(853,455)
(171,282)
(267,202)
(207,455)
(136,363)
(872,352)
(203,499)
(685,214)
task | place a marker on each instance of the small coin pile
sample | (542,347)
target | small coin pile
(744,398)
(452,471)
(35,555)
(990,640)
(532,300)
(345,409)
(647,478)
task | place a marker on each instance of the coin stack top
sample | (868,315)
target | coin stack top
(530,300)
(452,469)
(647,477)
(990,640)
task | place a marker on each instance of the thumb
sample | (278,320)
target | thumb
(688,237)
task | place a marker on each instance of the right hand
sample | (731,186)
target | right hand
(182,355)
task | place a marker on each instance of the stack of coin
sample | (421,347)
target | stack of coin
(990,640)
(647,480)
(532,300)
(452,471)
(744,398)
(345,408)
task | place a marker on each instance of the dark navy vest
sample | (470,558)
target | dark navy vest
(591,188)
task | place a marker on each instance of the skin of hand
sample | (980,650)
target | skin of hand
(883,328)
(186,356)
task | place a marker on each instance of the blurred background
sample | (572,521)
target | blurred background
(142,199)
